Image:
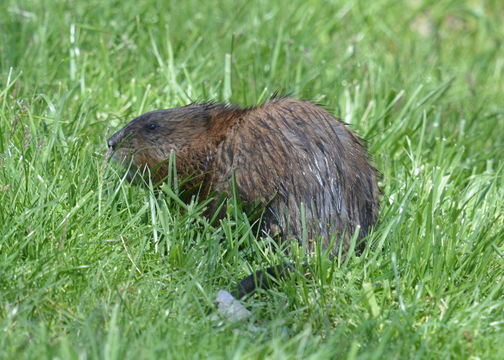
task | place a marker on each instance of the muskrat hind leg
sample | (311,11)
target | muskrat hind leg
(264,279)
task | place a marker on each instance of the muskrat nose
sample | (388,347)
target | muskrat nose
(115,140)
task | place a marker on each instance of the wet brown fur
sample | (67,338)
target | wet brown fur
(286,154)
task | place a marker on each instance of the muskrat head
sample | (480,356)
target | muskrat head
(147,141)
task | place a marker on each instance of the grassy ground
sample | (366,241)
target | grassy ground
(91,267)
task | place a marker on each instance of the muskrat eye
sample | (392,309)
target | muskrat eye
(151,126)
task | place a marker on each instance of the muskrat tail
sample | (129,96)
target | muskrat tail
(264,279)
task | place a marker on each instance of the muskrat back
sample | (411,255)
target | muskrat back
(291,156)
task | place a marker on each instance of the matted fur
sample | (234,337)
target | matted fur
(290,155)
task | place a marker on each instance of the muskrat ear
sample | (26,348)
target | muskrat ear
(222,116)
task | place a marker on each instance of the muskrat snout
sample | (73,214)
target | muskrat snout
(115,140)
(117,146)
(111,146)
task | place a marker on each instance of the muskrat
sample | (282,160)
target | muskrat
(304,166)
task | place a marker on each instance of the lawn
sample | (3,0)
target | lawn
(93,267)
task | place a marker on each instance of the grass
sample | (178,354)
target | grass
(93,267)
